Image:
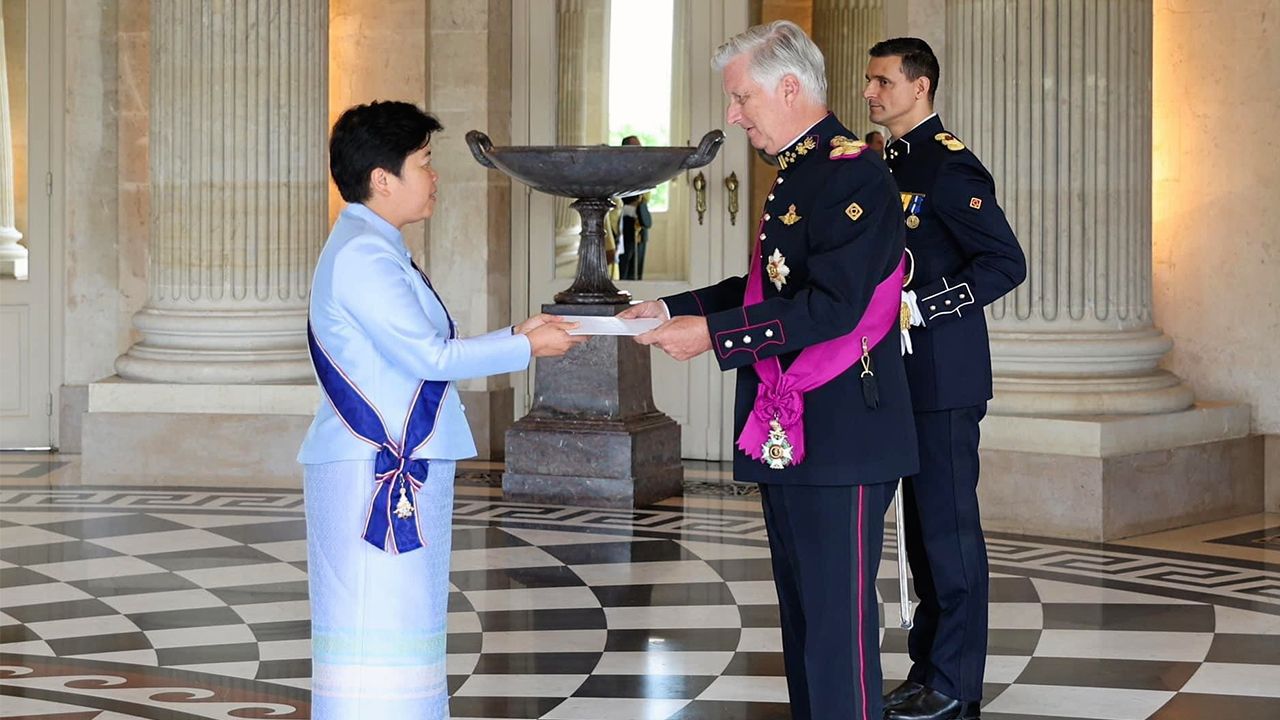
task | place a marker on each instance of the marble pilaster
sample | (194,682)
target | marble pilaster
(1086,436)
(571,120)
(845,30)
(1055,98)
(238,203)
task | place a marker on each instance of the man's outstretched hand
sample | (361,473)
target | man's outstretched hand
(682,338)
(646,309)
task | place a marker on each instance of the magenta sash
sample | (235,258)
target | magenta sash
(781,395)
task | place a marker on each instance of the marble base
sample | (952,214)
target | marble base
(73,403)
(230,450)
(230,435)
(593,436)
(490,414)
(178,434)
(1104,478)
(1271,469)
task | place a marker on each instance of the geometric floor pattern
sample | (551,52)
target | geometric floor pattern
(192,603)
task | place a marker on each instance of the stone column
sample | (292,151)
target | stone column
(571,48)
(13,257)
(845,30)
(1055,98)
(238,173)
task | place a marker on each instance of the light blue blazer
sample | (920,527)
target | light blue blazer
(384,328)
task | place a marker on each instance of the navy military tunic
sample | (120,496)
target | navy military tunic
(832,264)
(965,257)
(830,232)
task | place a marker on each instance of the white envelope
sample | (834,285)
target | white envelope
(600,325)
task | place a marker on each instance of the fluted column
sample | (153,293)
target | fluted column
(1055,97)
(13,257)
(571,113)
(237,151)
(845,30)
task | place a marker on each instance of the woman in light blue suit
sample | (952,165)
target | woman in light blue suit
(379,457)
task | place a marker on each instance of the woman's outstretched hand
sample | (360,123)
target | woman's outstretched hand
(551,338)
(536,322)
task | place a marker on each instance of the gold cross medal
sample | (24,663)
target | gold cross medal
(776,451)
(404,508)
(777,269)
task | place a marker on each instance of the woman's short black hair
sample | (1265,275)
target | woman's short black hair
(917,59)
(378,135)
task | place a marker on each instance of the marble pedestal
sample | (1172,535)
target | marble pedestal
(593,436)
(1100,478)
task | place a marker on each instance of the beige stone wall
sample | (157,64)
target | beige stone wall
(363,68)
(134,193)
(96,327)
(1216,220)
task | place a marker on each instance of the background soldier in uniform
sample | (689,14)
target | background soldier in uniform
(822,412)
(965,257)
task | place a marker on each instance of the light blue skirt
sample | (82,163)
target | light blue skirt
(377,620)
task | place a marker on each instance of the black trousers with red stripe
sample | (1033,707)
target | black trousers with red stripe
(825,543)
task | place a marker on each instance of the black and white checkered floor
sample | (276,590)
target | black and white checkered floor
(192,603)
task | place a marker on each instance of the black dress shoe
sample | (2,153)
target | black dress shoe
(904,692)
(933,705)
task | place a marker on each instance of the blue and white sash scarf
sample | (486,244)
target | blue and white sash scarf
(392,523)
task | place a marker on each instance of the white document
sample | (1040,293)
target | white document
(598,325)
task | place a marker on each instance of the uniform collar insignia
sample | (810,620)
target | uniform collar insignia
(798,151)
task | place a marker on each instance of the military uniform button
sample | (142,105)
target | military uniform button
(770,196)
(746,339)
(946,302)
(768,333)
(933,307)
(767,218)
(728,343)
(961,296)
(762,236)
(780,181)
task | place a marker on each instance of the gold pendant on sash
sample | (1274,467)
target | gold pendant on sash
(776,451)
(404,508)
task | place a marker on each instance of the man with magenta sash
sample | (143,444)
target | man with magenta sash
(822,415)
(379,457)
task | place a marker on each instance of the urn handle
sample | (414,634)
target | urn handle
(731,184)
(706,151)
(480,145)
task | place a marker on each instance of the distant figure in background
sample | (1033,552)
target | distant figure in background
(875,141)
(636,221)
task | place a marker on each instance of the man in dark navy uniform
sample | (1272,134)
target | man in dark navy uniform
(965,257)
(830,243)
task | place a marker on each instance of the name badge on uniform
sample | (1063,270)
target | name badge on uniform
(912,203)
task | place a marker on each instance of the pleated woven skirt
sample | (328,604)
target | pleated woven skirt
(377,620)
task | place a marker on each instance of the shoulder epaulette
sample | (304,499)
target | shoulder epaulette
(951,142)
(842,148)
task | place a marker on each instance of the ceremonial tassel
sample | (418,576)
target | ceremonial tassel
(870,390)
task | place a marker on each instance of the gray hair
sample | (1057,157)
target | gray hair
(774,51)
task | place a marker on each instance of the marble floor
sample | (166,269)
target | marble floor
(189,602)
